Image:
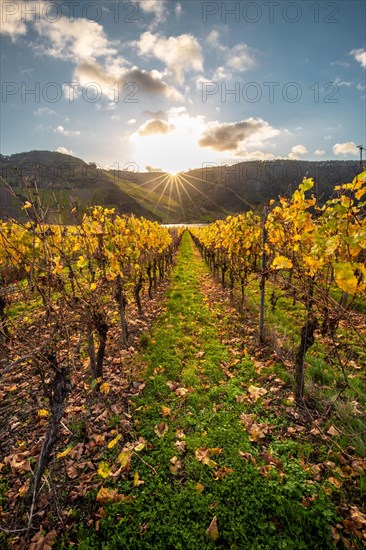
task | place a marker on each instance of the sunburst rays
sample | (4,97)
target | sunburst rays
(171,188)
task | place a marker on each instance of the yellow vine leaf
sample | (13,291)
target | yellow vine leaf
(105,388)
(65,452)
(104,470)
(124,458)
(346,278)
(136,480)
(42,413)
(281,262)
(114,442)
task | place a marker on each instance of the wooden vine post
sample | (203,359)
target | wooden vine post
(263,276)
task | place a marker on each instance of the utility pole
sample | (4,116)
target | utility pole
(361,148)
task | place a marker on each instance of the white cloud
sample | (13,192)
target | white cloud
(297,150)
(239,58)
(181,53)
(64,151)
(319,152)
(339,82)
(361,87)
(254,155)
(341,63)
(213,39)
(221,73)
(229,136)
(12,20)
(71,91)
(178,10)
(61,130)
(150,168)
(348,148)
(78,40)
(157,8)
(41,111)
(155,126)
(328,137)
(111,81)
(360,56)
(131,121)
(116,118)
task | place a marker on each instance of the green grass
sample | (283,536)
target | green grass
(253,511)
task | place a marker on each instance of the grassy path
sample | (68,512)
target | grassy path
(215,467)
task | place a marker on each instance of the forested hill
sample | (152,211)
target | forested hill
(201,194)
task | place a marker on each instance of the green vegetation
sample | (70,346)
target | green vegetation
(191,409)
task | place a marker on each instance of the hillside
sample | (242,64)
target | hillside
(202,194)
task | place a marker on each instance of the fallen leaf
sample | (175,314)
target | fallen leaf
(65,452)
(247,419)
(199,487)
(104,470)
(71,470)
(257,432)
(215,450)
(333,431)
(256,392)
(336,482)
(222,472)
(124,458)
(212,531)
(105,388)
(18,462)
(242,398)
(180,434)
(248,457)
(269,459)
(176,465)
(43,413)
(358,516)
(165,411)
(181,446)
(108,495)
(161,429)
(114,442)
(335,534)
(136,480)
(182,392)
(203,455)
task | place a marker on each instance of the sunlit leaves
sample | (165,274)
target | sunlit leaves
(345,276)
(281,262)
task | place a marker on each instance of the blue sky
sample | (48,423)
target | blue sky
(173,85)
